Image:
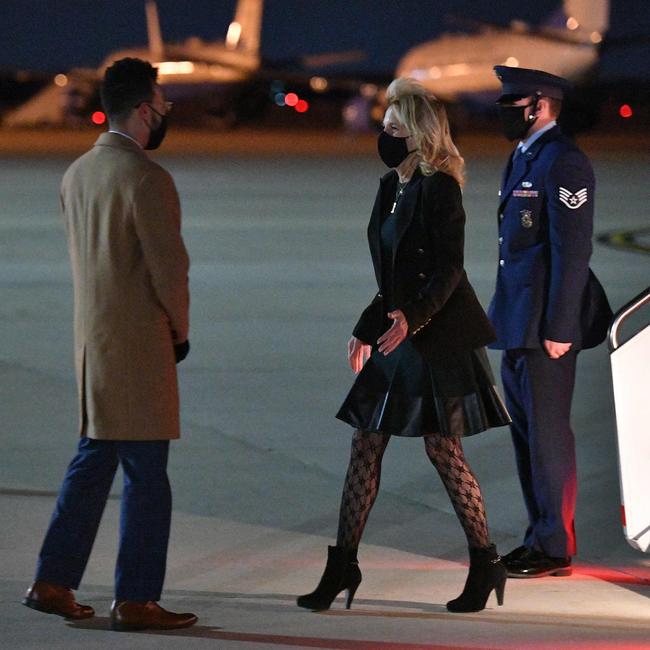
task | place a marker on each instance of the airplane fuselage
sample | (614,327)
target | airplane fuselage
(457,65)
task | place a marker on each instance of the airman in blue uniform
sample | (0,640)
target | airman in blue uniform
(547,306)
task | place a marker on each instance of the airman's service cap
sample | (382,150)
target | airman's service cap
(523,82)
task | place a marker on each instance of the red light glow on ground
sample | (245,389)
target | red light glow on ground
(335,644)
(621,575)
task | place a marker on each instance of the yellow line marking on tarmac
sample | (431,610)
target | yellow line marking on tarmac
(626,240)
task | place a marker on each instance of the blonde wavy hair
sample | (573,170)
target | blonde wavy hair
(426,119)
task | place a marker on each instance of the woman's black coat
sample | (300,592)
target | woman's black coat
(429,283)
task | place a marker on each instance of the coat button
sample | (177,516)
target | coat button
(420,251)
(379,295)
(422,276)
(501,217)
(500,240)
(502,263)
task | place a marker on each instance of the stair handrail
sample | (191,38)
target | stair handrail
(622,315)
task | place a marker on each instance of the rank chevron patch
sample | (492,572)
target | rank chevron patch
(571,200)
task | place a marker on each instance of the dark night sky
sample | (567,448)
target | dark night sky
(54,35)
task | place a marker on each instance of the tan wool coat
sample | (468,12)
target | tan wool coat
(130,273)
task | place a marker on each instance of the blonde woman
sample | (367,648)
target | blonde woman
(418,347)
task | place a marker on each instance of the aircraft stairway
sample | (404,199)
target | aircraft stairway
(630,362)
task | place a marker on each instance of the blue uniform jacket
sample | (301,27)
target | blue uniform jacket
(544,288)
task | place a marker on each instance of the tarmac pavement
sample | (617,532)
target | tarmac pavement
(280,271)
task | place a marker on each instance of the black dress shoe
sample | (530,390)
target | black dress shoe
(535,564)
(515,555)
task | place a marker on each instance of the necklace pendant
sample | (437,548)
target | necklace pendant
(392,210)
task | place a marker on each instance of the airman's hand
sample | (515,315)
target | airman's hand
(555,350)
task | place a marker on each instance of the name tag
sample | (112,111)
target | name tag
(526,193)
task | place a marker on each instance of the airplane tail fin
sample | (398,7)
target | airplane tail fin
(156,47)
(581,20)
(587,16)
(246,28)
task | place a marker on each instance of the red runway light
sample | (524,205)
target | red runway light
(302,106)
(291,99)
(98,118)
(625,111)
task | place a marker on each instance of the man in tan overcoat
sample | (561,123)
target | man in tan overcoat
(130,272)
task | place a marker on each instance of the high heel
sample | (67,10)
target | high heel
(500,590)
(351,592)
(341,573)
(486,572)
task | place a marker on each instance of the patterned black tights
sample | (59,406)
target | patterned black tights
(361,486)
(448,458)
(364,473)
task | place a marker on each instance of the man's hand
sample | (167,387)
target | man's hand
(181,350)
(555,350)
(358,354)
(390,339)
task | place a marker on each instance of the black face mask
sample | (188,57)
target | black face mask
(392,150)
(157,135)
(513,123)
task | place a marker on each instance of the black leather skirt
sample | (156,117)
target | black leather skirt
(403,394)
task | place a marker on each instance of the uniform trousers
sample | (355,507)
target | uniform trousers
(145,517)
(538,392)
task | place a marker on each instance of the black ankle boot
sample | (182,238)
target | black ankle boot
(341,572)
(486,572)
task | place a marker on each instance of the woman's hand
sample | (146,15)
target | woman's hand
(390,339)
(358,354)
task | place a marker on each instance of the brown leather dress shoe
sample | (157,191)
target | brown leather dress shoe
(130,615)
(53,599)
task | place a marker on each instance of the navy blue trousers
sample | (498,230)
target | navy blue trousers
(538,392)
(145,517)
